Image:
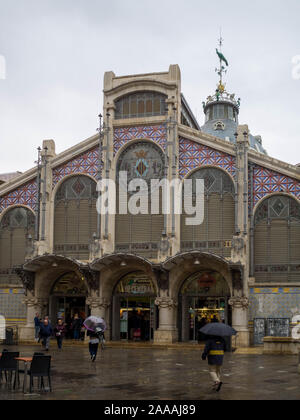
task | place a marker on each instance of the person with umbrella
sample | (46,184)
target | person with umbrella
(95,330)
(215,349)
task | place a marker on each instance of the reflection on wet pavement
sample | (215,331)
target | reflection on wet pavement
(162,374)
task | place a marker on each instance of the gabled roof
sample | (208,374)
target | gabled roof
(8,177)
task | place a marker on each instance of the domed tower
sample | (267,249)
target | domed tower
(222,110)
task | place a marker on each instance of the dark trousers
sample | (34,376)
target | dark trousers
(76,334)
(93,349)
(59,342)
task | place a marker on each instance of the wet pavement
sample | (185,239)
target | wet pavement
(161,374)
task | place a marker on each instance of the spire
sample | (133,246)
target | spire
(221,70)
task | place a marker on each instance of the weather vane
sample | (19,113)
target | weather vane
(222,69)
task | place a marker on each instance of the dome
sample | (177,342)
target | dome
(221,118)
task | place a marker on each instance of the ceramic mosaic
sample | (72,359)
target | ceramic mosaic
(25,195)
(193,155)
(85,163)
(157,133)
(268,182)
(274,302)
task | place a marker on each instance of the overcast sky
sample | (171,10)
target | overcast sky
(56,53)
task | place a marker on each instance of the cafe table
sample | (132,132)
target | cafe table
(26,361)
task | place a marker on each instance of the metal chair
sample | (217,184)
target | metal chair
(9,365)
(40,368)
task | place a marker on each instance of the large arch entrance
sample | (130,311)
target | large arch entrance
(68,300)
(134,313)
(203,298)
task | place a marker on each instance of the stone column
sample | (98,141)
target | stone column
(167,331)
(33,305)
(99,307)
(240,320)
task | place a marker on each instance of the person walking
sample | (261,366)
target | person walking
(76,325)
(59,332)
(45,334)
(93,344)
(214,351)
(37,326)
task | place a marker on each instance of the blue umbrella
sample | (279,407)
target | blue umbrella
(218,329)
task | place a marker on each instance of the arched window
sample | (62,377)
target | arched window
(75,217)
(277,240)
(15,228)
(216,232)
(141,233)
(143,104)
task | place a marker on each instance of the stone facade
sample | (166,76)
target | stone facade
(185,149)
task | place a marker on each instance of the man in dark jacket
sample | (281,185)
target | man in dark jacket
(214,352)
(46,333)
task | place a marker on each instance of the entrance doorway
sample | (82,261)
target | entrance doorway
(203,298)
(134,314)
(68,302)
(137,318)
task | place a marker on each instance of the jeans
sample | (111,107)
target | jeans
(93,349)
(59,342)
(76,334)
(37,331)
(46,342)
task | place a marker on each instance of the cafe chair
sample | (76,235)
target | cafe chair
(9,365)
(40,368)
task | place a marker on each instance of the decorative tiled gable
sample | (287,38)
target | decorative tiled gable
(85,163)
(25,195)
(157,133)
(267,182)
(193,155)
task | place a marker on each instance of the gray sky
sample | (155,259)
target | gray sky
(57,51)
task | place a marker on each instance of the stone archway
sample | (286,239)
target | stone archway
(113,269)
(203,296)
(184,265)
(39,277)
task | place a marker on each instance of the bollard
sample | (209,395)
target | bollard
(299,362)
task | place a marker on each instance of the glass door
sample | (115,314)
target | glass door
(137,318)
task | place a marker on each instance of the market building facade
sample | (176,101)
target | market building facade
(242,264)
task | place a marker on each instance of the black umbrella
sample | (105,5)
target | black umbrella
(218,329)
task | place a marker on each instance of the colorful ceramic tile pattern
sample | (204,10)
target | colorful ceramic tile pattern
(11,304)
(268,182)
(25,195)
(274,302)
(86,163)
(157,133)
(193,155)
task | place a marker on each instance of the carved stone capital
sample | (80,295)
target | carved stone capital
(30,302)
(239,302)
(96,303)
(166,303)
